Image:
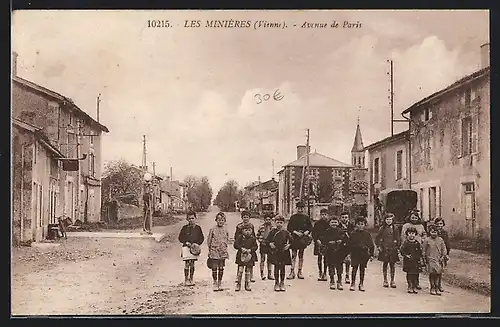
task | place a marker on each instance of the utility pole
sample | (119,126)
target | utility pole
(154,168)
(391,97)
(144,154)
(98,101)
(79,177)
(171,174)
(308,177)
(272,176)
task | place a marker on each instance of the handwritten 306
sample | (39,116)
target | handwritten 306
(277,96)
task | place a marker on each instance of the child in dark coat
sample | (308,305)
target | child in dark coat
(318,231)
(347,227)
(279,240)
(245,217)
(335,240)
(414,220)
(246,244)
(388,243)
(361,249)
(439,222)
(411,250)
(189,235)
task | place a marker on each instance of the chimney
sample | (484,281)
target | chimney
(485,55)
(301,151)
(14,63)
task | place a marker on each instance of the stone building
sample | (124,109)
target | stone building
(450,153)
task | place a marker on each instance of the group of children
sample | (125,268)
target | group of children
(338,244)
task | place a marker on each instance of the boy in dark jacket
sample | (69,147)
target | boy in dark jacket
(279,240)
(347,227)
(190,234)
(318,231)
(335,240)
(439,223)
(300,228)
(245,216)
(361,248)
(246,244)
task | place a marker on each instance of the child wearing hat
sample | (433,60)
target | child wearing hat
(246,244)
(388,242)
(347,227)
(335,240)
(318,231)
(434,251)
(217,241)
(262,234)
(245,217)
(361,248)
(300,228)
(191,237)
(439,222)
(279,240)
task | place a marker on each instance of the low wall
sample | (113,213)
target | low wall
(127,211)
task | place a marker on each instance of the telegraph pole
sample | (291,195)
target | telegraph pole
(391,97)
(144,154)
(308,177)
(98,102)
(272,176)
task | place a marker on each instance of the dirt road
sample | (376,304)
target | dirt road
(146,278)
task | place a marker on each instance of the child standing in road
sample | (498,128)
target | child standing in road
(361,248)
(246,244)
(434,251)
(335,240)
(388,242)
(262,234)
(439,222)
(245,216)
(217,241)
(411,250)
(414,221)
(318,230)
(191,237)
(347,227)
(279,240)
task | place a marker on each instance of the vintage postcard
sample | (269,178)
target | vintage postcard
(250,162)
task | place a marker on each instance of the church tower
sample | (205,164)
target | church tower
(358,150)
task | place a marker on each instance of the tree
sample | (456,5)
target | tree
(121,178)
(199,192)
(227,196)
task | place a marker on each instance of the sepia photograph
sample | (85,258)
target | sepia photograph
(249,162)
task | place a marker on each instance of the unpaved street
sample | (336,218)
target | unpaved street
(144,277)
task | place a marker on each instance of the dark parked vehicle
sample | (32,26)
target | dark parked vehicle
(400,202)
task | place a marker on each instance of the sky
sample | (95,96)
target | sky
(191,91)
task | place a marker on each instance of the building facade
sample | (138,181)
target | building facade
(450,153)
(35,183)
(388,163)
(74,134)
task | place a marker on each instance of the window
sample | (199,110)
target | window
(399,164)
(376,170)
(91,139)
(468,97)
(363,161)
(35,152)
(469,201)
(467,138)
(92,165)
(70,118)
(427,114)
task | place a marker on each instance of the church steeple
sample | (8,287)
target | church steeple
(358,150)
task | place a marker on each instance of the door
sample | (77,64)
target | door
(37,213)
(91,205)
(470,209)
(70,201)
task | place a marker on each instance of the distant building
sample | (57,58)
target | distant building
(257,194)
(450,153)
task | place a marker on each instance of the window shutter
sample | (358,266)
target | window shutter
(396,165)
(475,127)
(403,163)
